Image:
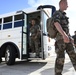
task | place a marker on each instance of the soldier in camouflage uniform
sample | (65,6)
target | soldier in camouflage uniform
(34,37)
(63,39)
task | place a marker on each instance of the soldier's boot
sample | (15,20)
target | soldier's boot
(37,54)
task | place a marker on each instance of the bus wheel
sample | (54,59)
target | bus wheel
(10,55)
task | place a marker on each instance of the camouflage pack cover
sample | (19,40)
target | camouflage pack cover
(52,31)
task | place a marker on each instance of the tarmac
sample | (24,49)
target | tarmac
(48,69)
(37,67)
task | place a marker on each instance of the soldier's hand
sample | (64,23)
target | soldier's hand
(66,39)
(74,44)
(72,40)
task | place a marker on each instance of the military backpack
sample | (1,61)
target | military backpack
(52,31)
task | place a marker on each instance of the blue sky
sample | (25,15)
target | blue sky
(7,6)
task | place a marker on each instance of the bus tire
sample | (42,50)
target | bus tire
(10,55)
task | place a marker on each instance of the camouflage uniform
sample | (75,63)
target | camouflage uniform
(60,46)
(34,38)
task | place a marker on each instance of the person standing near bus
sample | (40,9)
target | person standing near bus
(63,40)
(34,37)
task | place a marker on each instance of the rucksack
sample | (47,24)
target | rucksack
(52,31)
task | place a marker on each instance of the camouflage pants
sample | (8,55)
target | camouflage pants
(34,44)
(60,48)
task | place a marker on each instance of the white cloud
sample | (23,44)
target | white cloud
(71,5)
(31,2)
(35,3)
(72,15)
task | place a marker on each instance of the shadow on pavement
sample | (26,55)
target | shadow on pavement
(21,68)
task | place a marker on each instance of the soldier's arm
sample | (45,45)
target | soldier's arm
(62,32)
(57,22)
(38,32)
(59,28)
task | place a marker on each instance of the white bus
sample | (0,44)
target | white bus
(14,33)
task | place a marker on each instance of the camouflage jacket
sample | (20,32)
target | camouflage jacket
(34,30)
(62,19)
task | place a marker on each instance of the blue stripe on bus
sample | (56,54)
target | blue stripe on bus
(7,26)
(18,23)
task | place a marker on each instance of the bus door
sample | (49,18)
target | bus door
(24,37)
(36,16)
(44,37)
(46,12)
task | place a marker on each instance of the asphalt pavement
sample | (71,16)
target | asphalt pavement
(36,67)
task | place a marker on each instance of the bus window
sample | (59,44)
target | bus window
(0,21)
(8,19)
(7,26)
(18,23)
(7,22)
(0,27)
(18,20)
(18,17)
